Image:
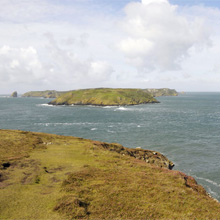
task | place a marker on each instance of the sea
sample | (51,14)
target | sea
(185,128)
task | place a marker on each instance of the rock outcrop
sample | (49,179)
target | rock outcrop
(148,156)
(14,94)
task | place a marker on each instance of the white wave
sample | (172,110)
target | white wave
(122,109)
(66,123)
(214,194)
(138,126)
(109,107)
(209,181)
(47,105)
(111,131)
(93,129)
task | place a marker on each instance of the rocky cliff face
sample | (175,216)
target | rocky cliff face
(151,157)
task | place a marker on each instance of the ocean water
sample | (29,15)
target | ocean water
(186,128)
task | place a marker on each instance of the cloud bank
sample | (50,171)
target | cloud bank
(160,37)
(66,45)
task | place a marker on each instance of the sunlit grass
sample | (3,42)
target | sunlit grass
(56,177)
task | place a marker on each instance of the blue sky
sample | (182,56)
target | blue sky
(74,44)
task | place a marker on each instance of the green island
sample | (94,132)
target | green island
(162,92)
(46,176)
(43,94)
(56,94)
(105,97)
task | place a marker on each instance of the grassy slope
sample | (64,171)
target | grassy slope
(57,177)
(105,97)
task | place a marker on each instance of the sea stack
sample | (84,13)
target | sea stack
(14,94)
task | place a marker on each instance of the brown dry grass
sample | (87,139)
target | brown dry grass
(56,177)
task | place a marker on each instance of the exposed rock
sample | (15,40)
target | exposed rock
(14,94)
(148,156)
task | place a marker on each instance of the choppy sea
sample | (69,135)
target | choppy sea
(185,128)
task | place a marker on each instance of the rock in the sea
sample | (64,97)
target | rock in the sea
(14,94)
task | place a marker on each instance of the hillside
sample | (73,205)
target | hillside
(104,97)
(46,176)
(44,94)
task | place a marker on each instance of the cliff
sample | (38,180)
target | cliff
(44,94)
(45,176)
(104,97)
(162,92)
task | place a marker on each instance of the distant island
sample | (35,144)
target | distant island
(43,94)
(46,176)
(55,94)
(105,97)
(162,92)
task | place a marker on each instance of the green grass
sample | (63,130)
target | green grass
(103,97)
(57,177)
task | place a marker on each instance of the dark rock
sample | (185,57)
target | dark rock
(14,94)
(149,156)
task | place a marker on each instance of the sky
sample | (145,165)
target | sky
(74,44)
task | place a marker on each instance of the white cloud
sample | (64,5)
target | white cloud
(64,45)
(19,65)
(159,37)
(60,67)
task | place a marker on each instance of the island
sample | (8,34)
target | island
(55,94)
(47,176)
(43,94)
(14,94)
(104,97)
(162,92)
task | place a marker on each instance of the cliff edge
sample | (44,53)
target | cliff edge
(45,176)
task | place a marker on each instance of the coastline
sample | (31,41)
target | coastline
(82,171)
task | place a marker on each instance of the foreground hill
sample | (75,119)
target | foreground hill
(46,176)
(104,97)
(44,94)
